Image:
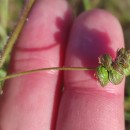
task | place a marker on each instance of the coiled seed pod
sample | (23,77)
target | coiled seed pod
(128,53)
(113,71)
(121,51)
(123,57)
(118,67)
(106,61)
(115,77)
(127,71)
(123,60)
(102,75)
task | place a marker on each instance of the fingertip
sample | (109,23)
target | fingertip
(94,33)
(90,106)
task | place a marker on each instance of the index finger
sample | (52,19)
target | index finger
(31,102)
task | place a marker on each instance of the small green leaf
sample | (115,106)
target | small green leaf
(102,75)
(115,77)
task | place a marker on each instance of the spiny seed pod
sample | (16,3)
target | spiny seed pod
(128,53)
(121,51)
(118,67)
(123,60)
(127,71)
(123,57)
(106,61)
(115,77)
(102,75)
(113,71)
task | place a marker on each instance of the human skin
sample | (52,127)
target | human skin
(31,102)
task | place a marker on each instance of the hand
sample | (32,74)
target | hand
(31,102)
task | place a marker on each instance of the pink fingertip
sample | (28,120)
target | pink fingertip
(94,33)
(85,105)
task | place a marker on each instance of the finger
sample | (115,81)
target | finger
(30,102)
(89,106)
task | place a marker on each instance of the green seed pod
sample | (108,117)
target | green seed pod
(106,61)
(115,77)
(127,71)
(102,75)
(118,67)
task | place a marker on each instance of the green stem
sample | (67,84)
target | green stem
(16,32)
(44,69)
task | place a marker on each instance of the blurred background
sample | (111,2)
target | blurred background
(11,9)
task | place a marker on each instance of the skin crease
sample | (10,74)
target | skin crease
(28,101)
(31,102)
(90,106)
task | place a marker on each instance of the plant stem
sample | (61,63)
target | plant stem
(44,69)
(16,32)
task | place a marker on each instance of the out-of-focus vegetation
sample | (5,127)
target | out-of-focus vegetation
(9,12)
(11,9)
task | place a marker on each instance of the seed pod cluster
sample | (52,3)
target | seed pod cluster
(113,71)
